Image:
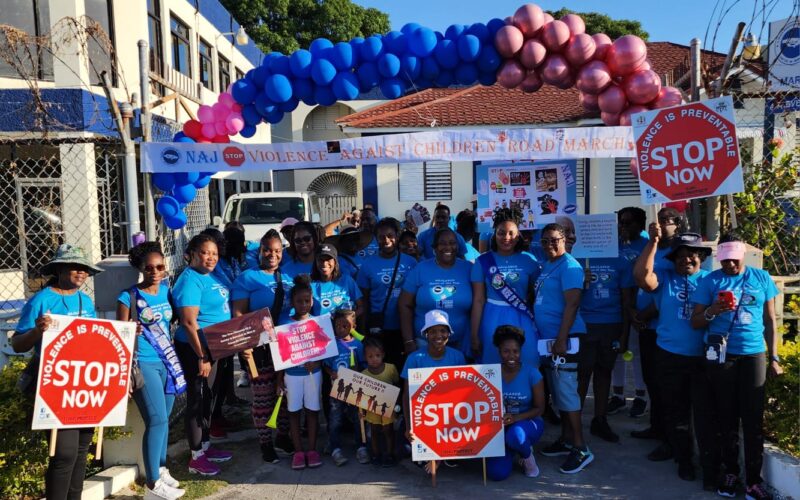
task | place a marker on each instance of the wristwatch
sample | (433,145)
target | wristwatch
(775,358)
(708,317)
(205,358)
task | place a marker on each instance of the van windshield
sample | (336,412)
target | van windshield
(269,210)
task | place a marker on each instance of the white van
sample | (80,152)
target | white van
(260,212)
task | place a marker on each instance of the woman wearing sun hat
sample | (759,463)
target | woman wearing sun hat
(68,271)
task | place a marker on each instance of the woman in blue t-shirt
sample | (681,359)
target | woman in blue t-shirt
(523,405)
(504,269)
(68,270)
(737,305)
(302,249)
(151,300)
(201,300)
(256,289)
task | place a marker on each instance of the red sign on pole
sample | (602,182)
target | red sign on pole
(688,151)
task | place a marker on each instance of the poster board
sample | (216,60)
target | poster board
(365,392)
(300,342)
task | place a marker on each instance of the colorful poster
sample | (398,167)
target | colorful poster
(596,236)
(299,342)
(365,392)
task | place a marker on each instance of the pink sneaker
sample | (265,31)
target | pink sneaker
(216,455)
(202,466)
(314,460)
(299,460)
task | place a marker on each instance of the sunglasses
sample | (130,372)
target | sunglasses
(160,268)
(304,239)
(551,241)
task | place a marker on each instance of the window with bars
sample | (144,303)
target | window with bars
(100,50)
(625,184)
(224,73)
(180,46)
(425,181)
(205,66)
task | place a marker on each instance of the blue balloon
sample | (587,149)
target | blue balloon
(388,65)
(322,71)
(186,178)
(185,139)
(163,180)
(263,105)
(184,193)
(278,88)
(356,44)
(489,60)
(469,47)
(409,28)
(439,36)
(300,63)
(279,65)
(167,206)
(324,96)
(487,79)
(430,68)
(260,75)
(243,92)
(248,131)
(454,31)
(203,181)
(345,86)
(176,222)
(319,45)
(368,76)
(177,136)
(269,57)
(371,48)
(410,67)
(303,89)
(342,56)
(288,106)
(494,26)
(466,73)
(392,88)
(251,115)
(481,31)
(446,54)
(396,42)
(421,42)
(445,79)
(274,116)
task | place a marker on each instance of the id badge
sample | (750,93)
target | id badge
(716,349)
(545,346)
(684,312)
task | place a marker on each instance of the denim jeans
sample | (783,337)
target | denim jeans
(338,412)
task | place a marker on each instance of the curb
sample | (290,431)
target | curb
(108,482)
(781,471)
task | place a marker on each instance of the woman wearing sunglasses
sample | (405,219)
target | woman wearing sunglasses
(302,248)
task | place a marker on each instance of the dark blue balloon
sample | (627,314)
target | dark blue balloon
(251,115)
(263,104)
(167,206)
(396,42)
(268,59)
(454,31)
(388,65)
(446,54)
(186,139)
(260,75)
(182,178)
(430,68)
(288,106)
(279,65)
(371,48)
(300,63)
(342,56)
(303,89)
(278,88)
(469,47)
(489,60)
(163,180)
(177,136)
(176,222)
(274,116)
(368,76)
(184,193)
(324,96)
(392,88)
(445,79)
(487,79)
(243,92)
(439,36)
(203,181)
(346,86)
(481,31)
(319,45)
(466,73)
(410,67)
(322,71)
(494,26)
(409,28)
(421,42)
(248,131)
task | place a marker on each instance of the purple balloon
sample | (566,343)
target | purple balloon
(555,70)
(533,54)
(594,77)
(667,96)
(612,100)
(589,102)
(625,116)
(555,35)
(580,49)
(610,119)
(532,82)
(511,74)
(642,86)
(508,41)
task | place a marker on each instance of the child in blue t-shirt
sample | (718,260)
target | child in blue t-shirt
(351,355)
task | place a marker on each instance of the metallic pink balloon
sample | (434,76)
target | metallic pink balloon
(645,65)
(508,41)
(589,102)
(548,18)
(625,116)
(580,49)
(555,35)
(634,167)
(626,54)
(575,23)
(532,82)
(642,87)
(612,100)
(555,69)
(602,43)
(610,119)
(567,82)
(533,54)
(509,20)
(529,19)
(511,74)
(667,96)
(593,77)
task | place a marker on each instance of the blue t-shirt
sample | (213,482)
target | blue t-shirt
(557,277)
(425,243)
(519,271)
(421,359)
(631,250)
(752,289)
(46,301)
(375,275)
(644,299)
(228,270)
(602,300)
(673,298)
(472,253)
(349,265)
(294,267)
(251,255)
(259,287)
(447,289)
(349,351)
(330,296)
(206,291)
(162,313)
(518,394)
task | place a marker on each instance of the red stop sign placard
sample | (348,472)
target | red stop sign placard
(83,374)
(233,156)
(688,151)
(456,412)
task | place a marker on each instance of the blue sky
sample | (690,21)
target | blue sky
(666,20)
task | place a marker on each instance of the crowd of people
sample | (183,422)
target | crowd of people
(400,298)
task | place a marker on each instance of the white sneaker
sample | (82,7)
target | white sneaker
(362,455)
(338,457)
(161,491)
(530,467)
(244,380)
(167,479)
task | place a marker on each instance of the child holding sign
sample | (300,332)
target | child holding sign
(381,421)
(301,385)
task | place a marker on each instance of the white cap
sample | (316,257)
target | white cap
(436,317)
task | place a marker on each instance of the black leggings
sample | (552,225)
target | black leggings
(67,468)
(199,398)
(647,353)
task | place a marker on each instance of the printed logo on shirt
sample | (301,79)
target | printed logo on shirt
(326,303)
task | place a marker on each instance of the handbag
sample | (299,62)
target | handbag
(375,320)
(137,379)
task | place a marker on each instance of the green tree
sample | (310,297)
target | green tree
(601,23)
(288,25)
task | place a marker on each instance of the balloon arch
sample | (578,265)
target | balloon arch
(523,51)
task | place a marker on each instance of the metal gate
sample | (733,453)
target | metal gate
(39,226)
(331,208)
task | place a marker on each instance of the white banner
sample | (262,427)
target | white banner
(441,145)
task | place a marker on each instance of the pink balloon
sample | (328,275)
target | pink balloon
(645,65)
(566,82)
(237,107)
(532,82)
(555,69)
(575,24)
(635,167)
(508,41)
(594,77)
(529,19)
(612,100)
(610,119)
(548,18)
(555,35)
(234,123)
(603,43)
(205,114)
(642,87)
(667,96)
(220,128)
(589,102)
(509,20)
(511,74)
(533,54)
(580,49)
(221,111)
(626,54)
(209,130)
(226,99)
(625,116)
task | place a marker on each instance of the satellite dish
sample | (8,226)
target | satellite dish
(334,184)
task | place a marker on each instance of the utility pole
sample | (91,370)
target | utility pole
(144,117)
(695,82)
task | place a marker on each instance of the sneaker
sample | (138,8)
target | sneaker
(757,492)
(362,455)
(202,466)
(601,429)
(338,457)
(388,461)
(244,380)
(217,430)
(615,404)
(313,458)
(299,460)
(283,444)
(660,454)
(161,491)
(268,454)
(576,461)
(558,448)
(165,476)
(216,455)
(529,466)
(638,408)
(727,487)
